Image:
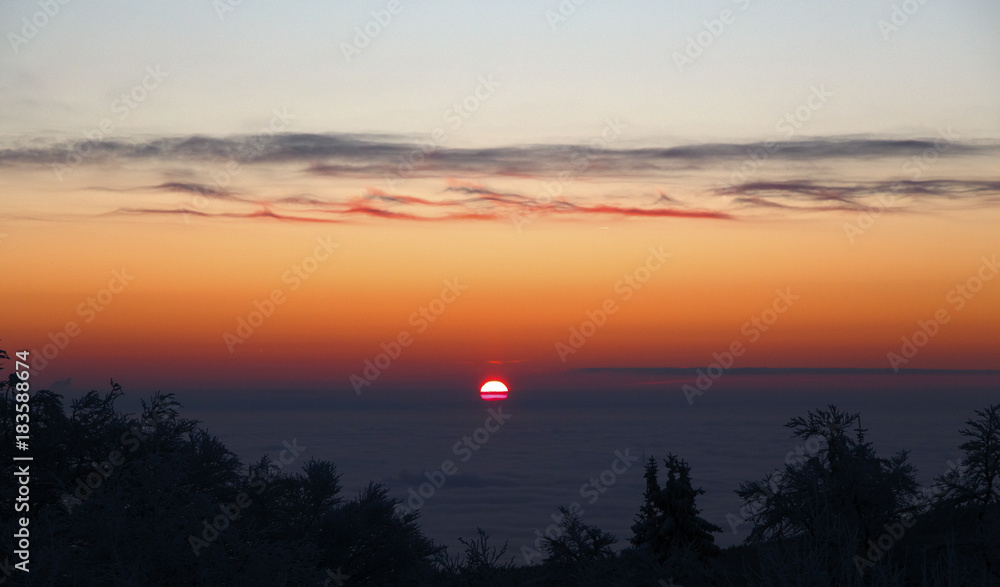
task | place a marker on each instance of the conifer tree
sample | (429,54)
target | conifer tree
(669,524)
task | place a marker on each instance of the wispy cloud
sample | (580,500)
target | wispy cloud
(945,188)
(808,195)
(353,155)
(266,213)
(464,175)
(180,187)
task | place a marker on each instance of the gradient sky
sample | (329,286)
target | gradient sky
(815,149)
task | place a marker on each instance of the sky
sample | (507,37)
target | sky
(354,199)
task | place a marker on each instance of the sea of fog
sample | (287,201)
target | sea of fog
(552,447)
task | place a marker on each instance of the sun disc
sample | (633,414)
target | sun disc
(493,390)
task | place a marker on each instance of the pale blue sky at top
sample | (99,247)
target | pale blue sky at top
(940,68)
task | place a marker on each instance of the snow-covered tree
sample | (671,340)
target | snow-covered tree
(977,481)
(843,487)
(669,524)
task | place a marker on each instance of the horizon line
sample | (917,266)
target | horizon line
(787,371)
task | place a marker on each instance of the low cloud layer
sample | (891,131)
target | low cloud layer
(189,167)
(372,155)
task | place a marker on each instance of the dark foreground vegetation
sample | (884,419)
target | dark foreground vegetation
(152,499)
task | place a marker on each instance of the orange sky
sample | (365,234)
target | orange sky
(194,279)
(536,160)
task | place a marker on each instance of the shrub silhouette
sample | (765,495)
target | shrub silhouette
(577,542)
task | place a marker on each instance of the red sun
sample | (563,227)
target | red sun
(493,391)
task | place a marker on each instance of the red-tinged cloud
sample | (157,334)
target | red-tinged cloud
(368,159)
(665,212)
(380,195)
(480,204)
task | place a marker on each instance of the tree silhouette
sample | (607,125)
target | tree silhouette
(845,482)
(977,481)
(154,499)
(480,556)
(669,526)
(577,542)
(975,485)
(375,543)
